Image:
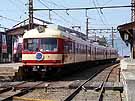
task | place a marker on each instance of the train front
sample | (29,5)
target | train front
(42,49)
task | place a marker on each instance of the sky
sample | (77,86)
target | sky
(15,11)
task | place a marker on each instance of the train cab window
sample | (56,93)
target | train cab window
(30,44)
(49,44)
(45,45)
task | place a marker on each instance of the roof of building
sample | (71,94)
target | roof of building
(24,25)
(127,29)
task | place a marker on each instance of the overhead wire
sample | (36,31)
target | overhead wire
(85,8)
(52,2)
(21,1)
(103,5)
(59,5)
(55,12)
(107,2)
(99,14)
(8,18)
(103,13)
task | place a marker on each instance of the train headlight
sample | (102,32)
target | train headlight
(39,56)
(41,29)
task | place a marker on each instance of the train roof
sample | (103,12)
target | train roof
(59,32)
(51,31)
(42,32)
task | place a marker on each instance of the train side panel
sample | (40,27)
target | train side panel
(71,49)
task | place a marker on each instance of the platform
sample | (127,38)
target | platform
(128,77)
(11,65)
(9,69)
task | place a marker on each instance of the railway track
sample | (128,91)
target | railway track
(27,91)
(7,93)
(100,89)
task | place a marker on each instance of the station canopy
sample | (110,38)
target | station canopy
(126,32)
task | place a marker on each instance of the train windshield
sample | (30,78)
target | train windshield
(49,44)
(44,45)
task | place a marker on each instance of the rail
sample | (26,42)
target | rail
(101,88)
(22,92)
(100,98)
(10,88)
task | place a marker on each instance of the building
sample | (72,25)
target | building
(15,36)
(5,45)
(127,33)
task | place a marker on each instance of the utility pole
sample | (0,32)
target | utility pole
(30,14)
(108,30)
(87,27)
(112,38)
(133,11)
(133,19)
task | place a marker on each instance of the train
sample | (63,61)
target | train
(54,47)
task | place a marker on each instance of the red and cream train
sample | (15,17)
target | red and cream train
(46,48)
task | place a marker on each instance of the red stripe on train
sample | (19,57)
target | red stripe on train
(43,61)
(42,52)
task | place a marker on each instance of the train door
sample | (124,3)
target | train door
(76,51)
(68,58)
(86,51)
(95,53)
(110,54)
(73,49)
(103,54)
(90,53)
(107,53)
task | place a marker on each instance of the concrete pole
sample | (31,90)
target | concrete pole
(112,38)
(133,19)
(87,22)
(30,14)
(133,11)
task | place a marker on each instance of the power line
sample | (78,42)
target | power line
(102,13)
(99,13)
(59,5)
(83,8)
(54,12)
(20,1)
(107,2)
(54,3)
(8,18)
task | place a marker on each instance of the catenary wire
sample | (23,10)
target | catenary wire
(59,5)
(55,13)
(85,8)
(99,14)
(102,13)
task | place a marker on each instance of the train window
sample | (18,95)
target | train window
(48,44)
(30,41)
(30,44)
(68,46)
(73,47)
